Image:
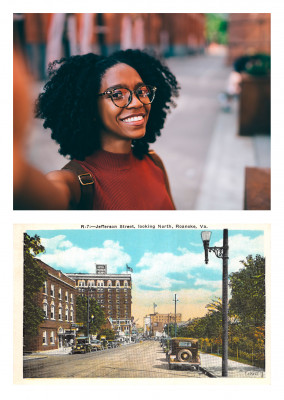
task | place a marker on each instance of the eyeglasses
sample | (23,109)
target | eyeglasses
(122,97)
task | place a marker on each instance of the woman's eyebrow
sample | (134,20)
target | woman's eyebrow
(124,85)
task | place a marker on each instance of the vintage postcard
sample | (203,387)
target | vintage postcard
(142,301)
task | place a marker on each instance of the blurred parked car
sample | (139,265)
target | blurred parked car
(96,345)
(82,345)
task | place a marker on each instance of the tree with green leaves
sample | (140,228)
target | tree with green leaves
(96,314)
(34,277)
(108,333)
(216,28)
(248,291)
(170,329)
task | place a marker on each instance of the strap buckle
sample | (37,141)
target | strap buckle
(87,181)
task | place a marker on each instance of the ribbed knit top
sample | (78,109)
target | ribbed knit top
(123,182)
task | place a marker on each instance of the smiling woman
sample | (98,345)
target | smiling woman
(104,112)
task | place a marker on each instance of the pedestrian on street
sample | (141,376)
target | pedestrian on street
(104,112)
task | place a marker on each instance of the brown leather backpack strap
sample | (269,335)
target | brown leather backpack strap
(86,183)
(157,160)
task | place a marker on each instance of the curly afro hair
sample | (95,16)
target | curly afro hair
(68,103)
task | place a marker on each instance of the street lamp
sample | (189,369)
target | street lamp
(221,252)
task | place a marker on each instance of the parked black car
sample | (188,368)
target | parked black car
(82,345)
(183,352)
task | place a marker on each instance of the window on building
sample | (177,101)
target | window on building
(117,284)
(66,296)
(125,284)
(60,313)
(52,311)
(44,338)
(71,297)
(66,314)
(45,287)
(60,294)
(52,337)
(45,309)
(108,283)
(52,290)
(71,316)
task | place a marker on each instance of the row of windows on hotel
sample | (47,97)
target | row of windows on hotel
(99,283)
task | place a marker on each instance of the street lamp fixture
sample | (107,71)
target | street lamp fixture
(221,252)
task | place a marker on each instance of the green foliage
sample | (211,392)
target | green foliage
(34,277)
(216,28)
(248,292)
(246,316)
(258,65)
(108,333)
(170,330)
(96,314)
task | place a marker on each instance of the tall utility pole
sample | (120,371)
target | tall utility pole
(175,300)
(225,303)
(88,314)
(154,305)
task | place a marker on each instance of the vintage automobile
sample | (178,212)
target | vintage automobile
(96,345)
(112,344)
(183,352)
(82,345)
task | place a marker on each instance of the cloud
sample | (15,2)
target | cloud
(157,270)
(211,284)
(63,255)
(243,245)
(159,265)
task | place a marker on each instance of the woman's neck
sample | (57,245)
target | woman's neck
(116,146)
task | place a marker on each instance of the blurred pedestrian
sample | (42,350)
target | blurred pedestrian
(36,27)
(104,112)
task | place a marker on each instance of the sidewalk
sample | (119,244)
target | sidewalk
(223,183)
(44,354)
(213,364)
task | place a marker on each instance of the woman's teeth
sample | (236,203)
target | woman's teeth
(133,119)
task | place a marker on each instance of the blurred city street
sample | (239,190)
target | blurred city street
(200,146)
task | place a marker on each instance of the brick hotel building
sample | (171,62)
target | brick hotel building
(112,292)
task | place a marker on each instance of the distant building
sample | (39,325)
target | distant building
(155,323)
(112,292)
(58,301)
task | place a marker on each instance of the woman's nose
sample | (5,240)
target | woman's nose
(135,102)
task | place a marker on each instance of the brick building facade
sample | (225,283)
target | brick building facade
(58,301)
(248,33)
(154,323)
(169,34)
(111,291)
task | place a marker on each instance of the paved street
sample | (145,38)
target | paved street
(204,156)
(141,360)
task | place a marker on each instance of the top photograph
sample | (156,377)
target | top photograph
(141,111)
